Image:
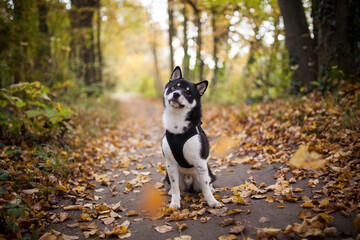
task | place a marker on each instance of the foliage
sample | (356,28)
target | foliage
(28,113)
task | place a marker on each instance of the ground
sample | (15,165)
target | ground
(268,193)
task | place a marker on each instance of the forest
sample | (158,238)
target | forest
(81,87)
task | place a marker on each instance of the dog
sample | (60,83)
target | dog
(185,145)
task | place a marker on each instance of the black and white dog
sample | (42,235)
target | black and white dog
(185,145)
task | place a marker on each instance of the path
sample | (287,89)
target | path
(132,154)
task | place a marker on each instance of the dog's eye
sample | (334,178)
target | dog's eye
(188,93)
(174,87)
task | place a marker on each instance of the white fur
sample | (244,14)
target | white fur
(174,118)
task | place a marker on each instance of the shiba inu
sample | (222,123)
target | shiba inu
(185,145)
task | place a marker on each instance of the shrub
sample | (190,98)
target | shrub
(28,113)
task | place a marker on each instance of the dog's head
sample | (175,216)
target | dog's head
(181,93)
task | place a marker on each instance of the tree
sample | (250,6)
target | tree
(83,50)
(337,34)
(199,60)
(171,33)
(299,44)
(186,60)
(333,52)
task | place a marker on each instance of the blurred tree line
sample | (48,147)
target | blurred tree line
(321,37)
(249,49)
(50,41)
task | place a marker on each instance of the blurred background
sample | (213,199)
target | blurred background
(249,50)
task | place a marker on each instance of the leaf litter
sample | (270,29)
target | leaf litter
(309,137)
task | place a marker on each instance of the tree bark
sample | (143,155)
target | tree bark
(43,58)
(171,34)
(81,16)
(299,44)
(199,61)
(98,33)
(186,60)
(333,22)
(215,44)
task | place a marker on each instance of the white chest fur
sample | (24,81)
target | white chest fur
(174,119)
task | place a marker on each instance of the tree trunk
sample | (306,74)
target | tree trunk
(81,16)
(333,21)
(299,44)
(43,58)
(215,43)
(154,46)
(171,34)
(186,60)
(99,54)
(199,61)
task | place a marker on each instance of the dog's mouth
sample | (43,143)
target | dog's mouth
(175,104)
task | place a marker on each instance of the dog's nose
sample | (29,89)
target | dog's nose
(176,95)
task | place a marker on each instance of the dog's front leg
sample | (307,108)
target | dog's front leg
(173,172)
(204,180)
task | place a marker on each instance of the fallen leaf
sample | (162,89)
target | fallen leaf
(178,216)
(234,211)
(270,199)
(267,232)
(227,221)
(72,225)
(205,219)
(224,145)
(73,207)
(164,229)
(183,237)
(181,227)
(87,234)
(48,236)
(67,237)
(87,227)
(356,223)
(237,229)
(303,215)
(85,217)
(227,237)
(220,212)
(264,220)
(117,230)
(108,220)
(31,191)
(132,213)
(304,158)
(63,216)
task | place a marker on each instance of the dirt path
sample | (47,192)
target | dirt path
(129,158)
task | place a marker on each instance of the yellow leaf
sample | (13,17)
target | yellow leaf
(234,211)
(308,205)
(132,213)
(240,200)
(356,223)
(224,145)
(61,187)
(324,202)
(304,158)
(227,237)
(178,216)
(118,230)
(85,217)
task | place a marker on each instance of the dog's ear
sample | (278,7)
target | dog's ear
(176,74)
(201,87)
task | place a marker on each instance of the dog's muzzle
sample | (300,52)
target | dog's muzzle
(174,103)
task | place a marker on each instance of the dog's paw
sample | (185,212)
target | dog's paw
(174,205)
(214,204)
